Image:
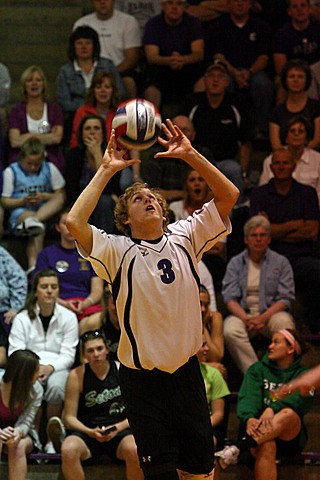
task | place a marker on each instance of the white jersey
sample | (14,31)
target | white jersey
(116,34)
(155,286)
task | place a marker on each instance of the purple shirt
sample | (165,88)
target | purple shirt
(177,38)
(300,203)
(18,120)
(75,273)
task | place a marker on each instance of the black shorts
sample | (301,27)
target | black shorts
(102,448)
(169,416)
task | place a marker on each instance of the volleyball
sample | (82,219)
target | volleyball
(137,124)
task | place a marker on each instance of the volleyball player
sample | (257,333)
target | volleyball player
(154,278)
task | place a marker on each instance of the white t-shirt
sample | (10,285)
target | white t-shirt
(116,34)
(307,170)
(155,286)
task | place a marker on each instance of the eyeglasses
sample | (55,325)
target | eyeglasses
(91,335)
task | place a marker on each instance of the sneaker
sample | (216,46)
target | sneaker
(29,227)
(49,448)
(227,456)
(56,433)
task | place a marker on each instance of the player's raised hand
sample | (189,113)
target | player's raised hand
(177,144)
(113,158)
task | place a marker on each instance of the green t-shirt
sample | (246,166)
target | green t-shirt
(216,386)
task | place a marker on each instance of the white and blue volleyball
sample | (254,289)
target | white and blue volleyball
(137,124)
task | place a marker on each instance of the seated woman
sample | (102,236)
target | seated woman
(33,191)
(269,428)
(102,99)
(75,77)
(80,288)
(20,398)
(83,161)
(295,79)
(307,170)
(35,117)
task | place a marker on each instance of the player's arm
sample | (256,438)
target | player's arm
(78,217)
(178,146)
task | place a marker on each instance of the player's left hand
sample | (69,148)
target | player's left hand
(177,144)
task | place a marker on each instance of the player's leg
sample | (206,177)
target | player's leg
(127,451)
(265,467)
(73,451)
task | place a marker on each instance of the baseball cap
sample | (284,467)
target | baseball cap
(217,64)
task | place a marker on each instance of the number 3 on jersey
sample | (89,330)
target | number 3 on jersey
(168,275)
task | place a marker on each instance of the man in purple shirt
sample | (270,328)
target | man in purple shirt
(293,211)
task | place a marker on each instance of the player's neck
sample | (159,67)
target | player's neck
(148,234)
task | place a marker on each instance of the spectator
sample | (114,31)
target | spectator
(299,39)
(109,324)
(293,211)
(20,397)
(258,289)
(83,161)
(51,330)
(75,77)
(274,12)
(80,289)
(196,194)
(295,79)
(102,99)
(216,390)
(119,40)
(222,123)
(212,330)
(33,190)
(94,414)
(5,84)
(174,48)
(315,9)
(243,42)
(307,169)
(35,117)
(13,292)
(271,429)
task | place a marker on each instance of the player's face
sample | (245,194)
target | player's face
(34,85)
(83,48)
(299,11)
(32,163)
(204,304)
(95,351)
(216,81)
(103,8)
(258,240)
(282,165)
(297,135)
(197,187)
(61,227)
(278,348)
(47,292)
(144,210)
(173,10)
(92,130)
(296,80)
(103,91)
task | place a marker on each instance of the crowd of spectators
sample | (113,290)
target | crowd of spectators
(233,73)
